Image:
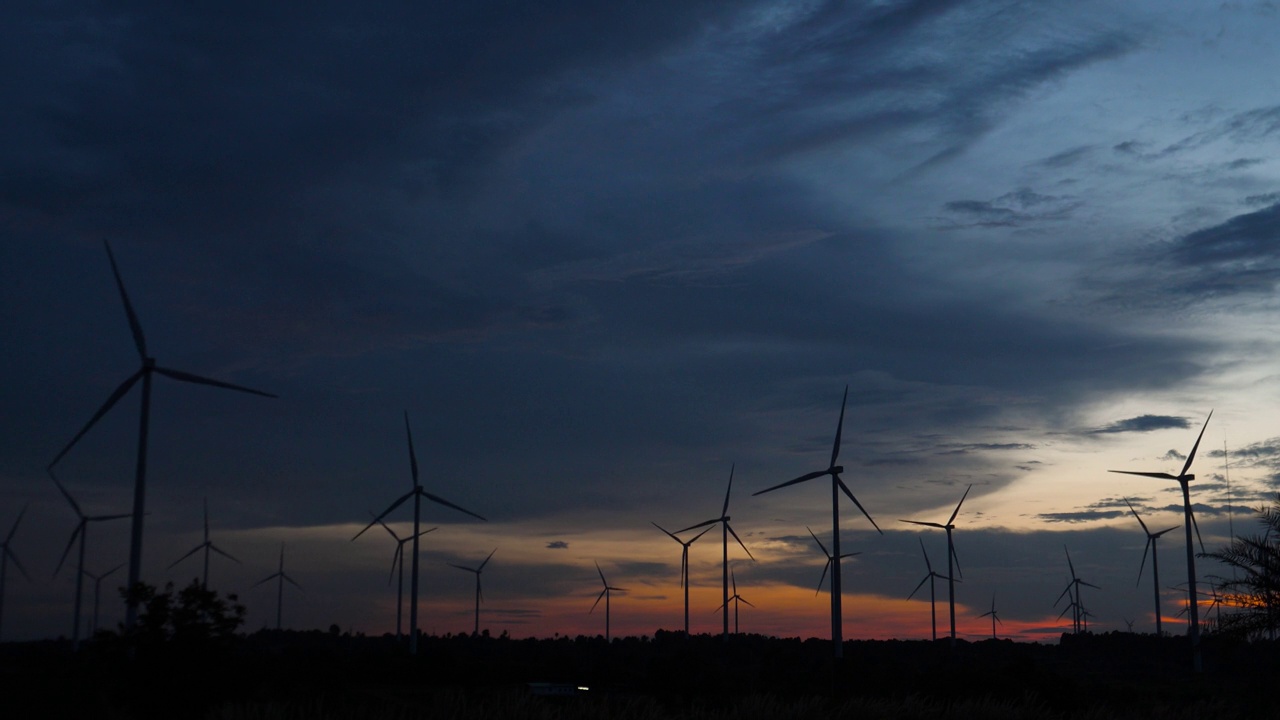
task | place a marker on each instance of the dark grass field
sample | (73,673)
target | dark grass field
(323,675)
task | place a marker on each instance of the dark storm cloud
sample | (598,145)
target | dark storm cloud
(1143,423)
(557,545)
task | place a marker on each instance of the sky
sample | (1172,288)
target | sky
(602,257)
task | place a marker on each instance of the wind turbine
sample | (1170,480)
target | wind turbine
(930,577)
(684,567)
(1155,568)
(1184,480)
(994,617)
(397,567)
(735,598)
(280,577)
(207,545)
(605,593)
(837,486)
(830,559)
(144,374)
(7,554)
(81,532)
(725,531)
(1075,602)
(97,593)
(417,493)
(477,571)
(951,555)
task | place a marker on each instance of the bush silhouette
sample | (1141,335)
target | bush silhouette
(1253,593)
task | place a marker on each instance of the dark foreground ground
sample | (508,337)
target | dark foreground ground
(322,675)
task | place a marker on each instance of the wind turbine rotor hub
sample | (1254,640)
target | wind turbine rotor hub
(149,363)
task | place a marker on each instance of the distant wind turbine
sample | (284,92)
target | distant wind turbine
(1155,567)
(144,374)
(1184,479)
(725,531)
(830,558)
(477,570)
(606,594)
(995,618)
(951,555)
(7,554)
(837,486)
(684,566)
(280,577)
(735,598)
(207,546)
(1075,603)
(97,593)
(933,601)
(417,493)
(397,568)
(81,532)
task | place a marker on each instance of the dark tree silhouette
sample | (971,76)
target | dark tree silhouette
(194,614)
(1253,592)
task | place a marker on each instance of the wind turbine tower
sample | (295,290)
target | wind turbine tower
(837,486)
(933,601)
(725,531)
(606,593)
(280,577)
(1155,566)
(397,569)
(951,555)
(144,373)
(477,570)
(81,532)
(684,567)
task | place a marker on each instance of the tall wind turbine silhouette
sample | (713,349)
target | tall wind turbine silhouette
(606,594)
(7,554)
(933,601)
(830,559)
(837,486)
(280,577)
(207,546)
(684,567)
(1184,479)
(417,493)
(81,532)
(951,555)
(735,598)
(1155,567)
(97,593)
(477,570)
(725,531)
(144,374)
(995,618)
(397,568)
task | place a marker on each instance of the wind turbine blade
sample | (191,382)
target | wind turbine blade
(956,512)
(850,554)
(1135,514)
(733,577)
(384,526)
(824,575)
(598,599)
(1162,532)
(470,570)
(1069,563)
(1088,584)
(74,534)
(1161,475)
(441,501)
(104,518)
(735,537)
(1065,593)
(134,325)
(188,377)
(1196,525)
(701,524)
(815,539)
(194,550)
(104,575)
(957,559)
(14,529)
(835,449)
(745,600)
(668,532)
(106,406)
(272,576)
(845,488)
(602,580)
(940,526)
(413,458)
(486,560)
(290,581)
(386,512)
(1142,566)
(926,555)
(395,557)
(922,582)
(802,478)
(1192,455)
(74,505)
(724,512)
(695,537)
(226,555)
